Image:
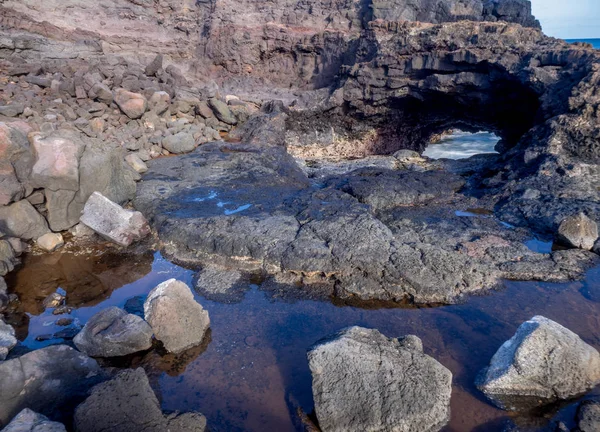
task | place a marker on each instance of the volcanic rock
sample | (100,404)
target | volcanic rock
(134,105)
(127,404)
(541,363)
(363,380)
(578,231)
(113,222)
(22,220)
(7,339)
(50,242)
(113,332)
(49,381)
(178,321)
(182,142)
(30,421)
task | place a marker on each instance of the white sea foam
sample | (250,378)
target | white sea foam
(461,145)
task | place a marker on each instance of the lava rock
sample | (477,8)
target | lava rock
(127,404)
(159,102)
(49,381)
(363,380)
(220,284)
(50,242)
(12,110)
(113,332)
(178,321)
(22,220)
(30,421)
(136,163)
(182,142)
(7,339)
(222,111)
(134,105)
(578,231)
(57,163)
(154,66)
(588,416)
(113,222)
(8,260)
(541,363)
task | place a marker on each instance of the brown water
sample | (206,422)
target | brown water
(253,371)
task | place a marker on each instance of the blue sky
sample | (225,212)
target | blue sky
(569,19)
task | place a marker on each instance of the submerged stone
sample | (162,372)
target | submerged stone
(363,381)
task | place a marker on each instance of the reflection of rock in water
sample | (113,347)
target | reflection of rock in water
(87,281)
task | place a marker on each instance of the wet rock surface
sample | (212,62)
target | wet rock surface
(49,381)
(541,363)
(112,333)
(372,233)
(127,403)
(30,421)
(364,381)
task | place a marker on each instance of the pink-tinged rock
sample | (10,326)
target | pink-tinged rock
(113,222)
(57,161)
(134,105)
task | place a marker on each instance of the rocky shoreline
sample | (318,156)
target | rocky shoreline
(286,145)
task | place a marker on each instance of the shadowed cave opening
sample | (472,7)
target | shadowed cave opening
(503,107)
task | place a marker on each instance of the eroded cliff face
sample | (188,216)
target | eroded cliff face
(299,44)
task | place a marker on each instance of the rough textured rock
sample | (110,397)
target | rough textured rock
(113,332)
(220,284)
(127,404)
(50,242)
(8,260)
(588,416)
(373,233)
(222,111)
(7,339)
(30,421)
(364,381)
(50,381)
(22,220)
(178,321)
(578,231)
(541,363)
(17,160)
(114,222)
(134,105)
(181,142)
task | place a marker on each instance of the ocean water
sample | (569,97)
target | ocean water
(461,145)
(595,42)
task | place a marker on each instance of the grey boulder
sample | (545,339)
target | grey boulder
(22,220)
(113,332)
(113,222)
(127,404)
(7,339)
(541,363)
(222,111)
(30,421)
(363,381)
(50,381)
(176,318)
(182,142)
(578,231)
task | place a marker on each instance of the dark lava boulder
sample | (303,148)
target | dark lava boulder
(113,332)
(127,403)
(543,362)
(50,381)
(363,380)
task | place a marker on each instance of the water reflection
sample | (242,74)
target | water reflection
(255,361)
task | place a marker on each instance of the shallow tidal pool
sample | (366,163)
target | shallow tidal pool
(253,374)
